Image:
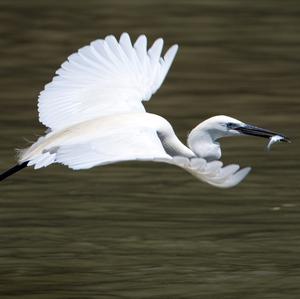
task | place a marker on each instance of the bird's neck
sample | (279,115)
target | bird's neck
(203,142)
(170,142)
(174,147)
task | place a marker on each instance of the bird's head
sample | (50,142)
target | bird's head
(203,139)
(224,126)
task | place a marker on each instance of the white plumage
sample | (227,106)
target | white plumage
(93,109)
(105,78)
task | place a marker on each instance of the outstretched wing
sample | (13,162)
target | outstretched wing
(123,144)
(212,172)
(143,144)
(98,142)
(105,78)
(135,144)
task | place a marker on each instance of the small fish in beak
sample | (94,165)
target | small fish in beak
(259,132)
(276,138)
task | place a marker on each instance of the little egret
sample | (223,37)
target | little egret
(94,114)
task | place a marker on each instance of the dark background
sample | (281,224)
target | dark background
(147,230)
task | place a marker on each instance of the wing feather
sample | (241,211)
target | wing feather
(106,77)
(124,144)
(212,172)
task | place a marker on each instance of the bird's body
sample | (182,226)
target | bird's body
(94,114)
(115,131)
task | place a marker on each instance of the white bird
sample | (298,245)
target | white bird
(94,113)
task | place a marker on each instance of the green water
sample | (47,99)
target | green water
(146,230)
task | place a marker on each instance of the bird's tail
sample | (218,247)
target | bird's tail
(13,170)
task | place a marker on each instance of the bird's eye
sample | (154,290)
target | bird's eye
(231,125)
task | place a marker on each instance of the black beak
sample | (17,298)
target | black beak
(255,131)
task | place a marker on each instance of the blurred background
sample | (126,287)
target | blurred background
(147,230)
